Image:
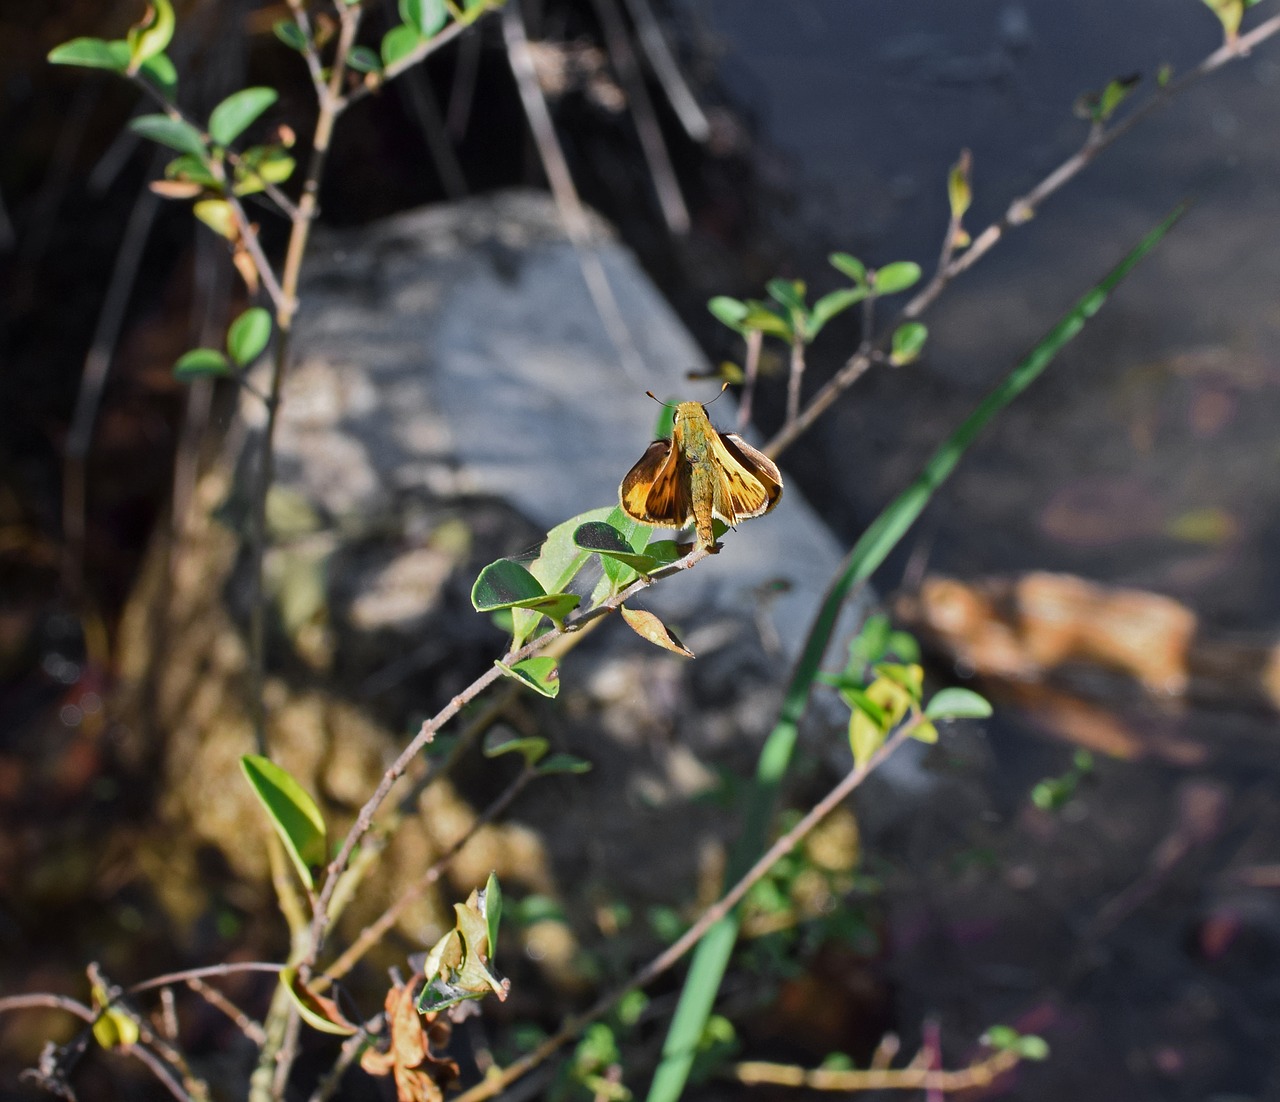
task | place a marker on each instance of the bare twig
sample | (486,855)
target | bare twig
(980,1074)
(572,214)
(215,998)
(652,145)
(750,372)
(795,377)
(667,70)
(373,933)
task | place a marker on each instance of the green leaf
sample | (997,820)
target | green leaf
(541,674)
(491,906)
(957,703)
(788,293)
(908,342)
(153,35)
(191,168)
(765,318)
(364,60)
(235,114)
(175,133)
(218,215)
(531,747)
(507,584)
(399,43)
(317,1011)
(563,763)
(293,813)
(92,53)
(829,305)
(606,540)
(248,335)
(707,968)
(728,311)
(850,266)
(559,561)
(200,362)
(1031,1047)
(290,34)
(1001,1037)
(261,165)
(896,277)
(162,73)
(425,16)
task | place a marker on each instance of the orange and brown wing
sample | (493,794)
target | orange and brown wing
(656,489)
(748,482)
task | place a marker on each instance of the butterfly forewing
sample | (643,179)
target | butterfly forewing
(656,489)
(749,483)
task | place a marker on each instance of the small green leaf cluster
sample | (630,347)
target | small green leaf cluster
(540,592)
(420,22)
(140,54)
(1026,1046)
(1098,106)
(246,338)
(883,684)
(1054,793)
(789,318)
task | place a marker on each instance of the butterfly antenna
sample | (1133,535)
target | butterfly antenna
(660,402)
(723,388)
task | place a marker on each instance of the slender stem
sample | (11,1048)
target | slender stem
(981,1074)
(750,371)
(574,1025)
(373,933)
(42,1000)
(795,378)
(330,103)
(1018,212)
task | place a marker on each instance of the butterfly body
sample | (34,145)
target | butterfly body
(698,475)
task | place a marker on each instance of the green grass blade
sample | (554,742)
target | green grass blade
(710,959)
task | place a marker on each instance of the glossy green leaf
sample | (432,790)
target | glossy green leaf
(218,215)
(398,43)
(235,114)
(896,277)
(788,293)
(541,674)
(290,34)
(153,35)
(193,169)
(908,342)
(491,907)
(558,563)
(563,763)
(829,305)
(850,266)
(424,16)
(92,53)
(604,539)
(364,60)
(531,747)
(174,133)
(507,584)
(728,311)
(293,813)
(766,319)
(957,703)
(200,362)
(248,335)
(162,74)
(318,1011)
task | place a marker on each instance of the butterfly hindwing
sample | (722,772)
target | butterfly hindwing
(748,482)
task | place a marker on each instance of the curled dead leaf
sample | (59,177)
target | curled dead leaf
(648,626)
(419,1075)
